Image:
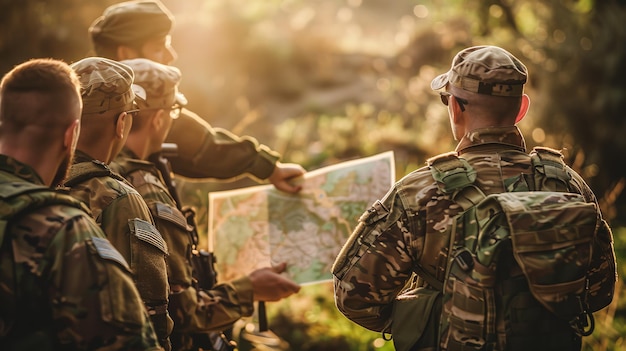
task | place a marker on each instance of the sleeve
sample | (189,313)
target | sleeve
(93,297)
(129,226)
(374,265)
(199,311)
(207,152)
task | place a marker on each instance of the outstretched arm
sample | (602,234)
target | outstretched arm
(284,177)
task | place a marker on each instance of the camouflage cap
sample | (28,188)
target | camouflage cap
(131,22)
(104,84)
(156,84)
(488,70)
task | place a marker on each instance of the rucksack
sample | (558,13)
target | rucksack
(534,241)
(18,198)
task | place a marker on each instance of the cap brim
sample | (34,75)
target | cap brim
(140,92)
(181,99)
(439,82)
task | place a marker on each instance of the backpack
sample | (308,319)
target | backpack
(508,256)
(16,199)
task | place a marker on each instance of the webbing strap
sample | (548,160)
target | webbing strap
(84,171)
(548,163)
(451,172)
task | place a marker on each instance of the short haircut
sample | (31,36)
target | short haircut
(38,92)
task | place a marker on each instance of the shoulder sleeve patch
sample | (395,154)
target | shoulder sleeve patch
(171,214)
(147,232)
(106,250)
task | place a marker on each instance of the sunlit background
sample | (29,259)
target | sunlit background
(324,81)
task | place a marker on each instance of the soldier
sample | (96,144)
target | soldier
(63,285)
(108,110)
(401,235)
(137,29)
(194,310)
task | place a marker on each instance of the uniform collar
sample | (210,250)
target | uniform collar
(511,137)
(81,156)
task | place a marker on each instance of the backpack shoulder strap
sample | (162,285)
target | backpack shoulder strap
(549,170)
(451,172)
(455,176)
(83,171)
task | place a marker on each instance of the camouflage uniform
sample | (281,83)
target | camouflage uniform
(64,283)
(193,310)
(393,235)
(116,206)
(399,234)
(204,151)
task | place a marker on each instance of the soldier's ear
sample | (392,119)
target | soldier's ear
(158,119)
(120,124)
(523,108)
(72,133)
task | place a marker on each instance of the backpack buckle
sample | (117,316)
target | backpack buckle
(464,260)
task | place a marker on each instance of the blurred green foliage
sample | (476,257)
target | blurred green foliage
(324,81)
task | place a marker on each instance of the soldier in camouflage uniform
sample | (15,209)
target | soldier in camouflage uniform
(193,310)
(136,29)
(398,235)
(62,284)
(108,109)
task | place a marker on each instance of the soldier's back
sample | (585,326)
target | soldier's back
(63,284)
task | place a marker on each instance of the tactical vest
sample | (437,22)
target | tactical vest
(19,198)
(149,270)
(516,264)
(84,171)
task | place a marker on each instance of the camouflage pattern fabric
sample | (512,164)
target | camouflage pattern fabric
(404,231)
(126,220)
(208,152)
(156,84)
(105,84)
(193,311)
(62,284)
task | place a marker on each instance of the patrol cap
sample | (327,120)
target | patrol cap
(488,70)
(104,84)
(156,84)
(131,22)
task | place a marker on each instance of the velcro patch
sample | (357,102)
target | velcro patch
(147,232)
(106,250)
(171,214)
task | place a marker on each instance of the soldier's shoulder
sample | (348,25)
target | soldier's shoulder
(420,180)
(47,221)
(127,165)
